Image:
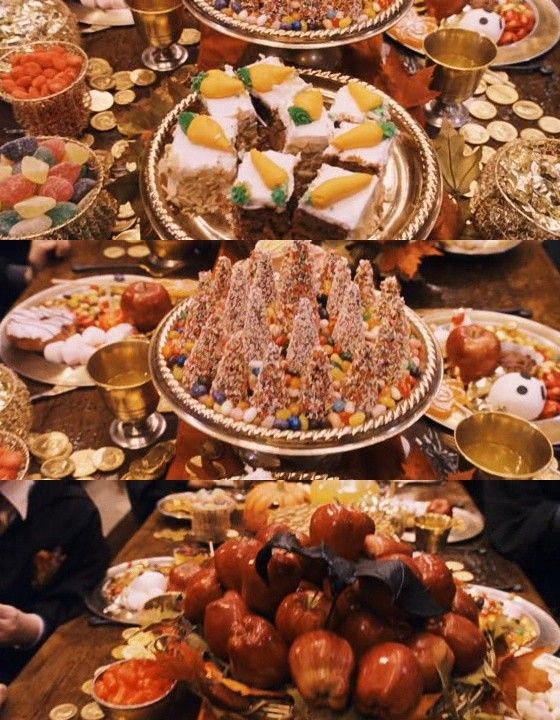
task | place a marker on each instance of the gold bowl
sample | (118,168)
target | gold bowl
(13,442)
(503,445)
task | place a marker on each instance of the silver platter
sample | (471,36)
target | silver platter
(413,186)
(290,442)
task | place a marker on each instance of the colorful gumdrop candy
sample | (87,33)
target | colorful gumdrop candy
(8,219)
(34,206)
(15,189)
(34,169)
(58,188)
(5,172)
(68,170)
(81,188)
(56,146)
(46,155)
(31,226)
(76,153)
(62,212)
(17,149)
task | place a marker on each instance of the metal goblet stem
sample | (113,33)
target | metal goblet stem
(159,23)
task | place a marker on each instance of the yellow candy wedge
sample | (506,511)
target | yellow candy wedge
(310,100)
(218,84)
(368,134)
(332,191)
(207,132)
(365,98)
(76,153)
(264,76)
(272,175)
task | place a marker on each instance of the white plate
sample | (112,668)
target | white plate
(478,247)
(471,523)
(171,514)
(549,632)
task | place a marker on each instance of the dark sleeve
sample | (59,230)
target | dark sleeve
(523,519)
(144,494)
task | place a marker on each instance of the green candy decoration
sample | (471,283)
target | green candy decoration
(389,129)
(197,81)
(185,119)
(240,194)
(245,76)
(279,196)
(299,115)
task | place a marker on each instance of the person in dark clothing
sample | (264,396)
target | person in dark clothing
(523,523)
(144,494)
(52,552)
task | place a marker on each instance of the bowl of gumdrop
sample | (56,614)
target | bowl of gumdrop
(48,186)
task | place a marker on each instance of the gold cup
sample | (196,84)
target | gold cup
(160,23)
(432,532)
(460,58)
(504,446)
(122,376)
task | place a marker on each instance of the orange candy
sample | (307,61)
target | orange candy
(133,682)
(41,72)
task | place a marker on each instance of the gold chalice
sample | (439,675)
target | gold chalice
(122,376)
(504,446)
(461,57)
(160,23)
(432,532)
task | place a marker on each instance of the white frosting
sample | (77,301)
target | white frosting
(39,323)
(376,155)
(229,107)
(281,95)
(300,137)
(348,212)
(189,158)
(344,107)
(260,193)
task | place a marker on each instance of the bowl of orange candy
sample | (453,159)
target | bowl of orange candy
(14,457)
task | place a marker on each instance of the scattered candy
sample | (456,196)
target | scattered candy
(34,206)
(58,188)
(46,155)
(8,219)
(68,170)
(15,189)
(34,169)
(56,145)
(75,153)
(32,226)
(17,149)
(82,187)
(62,212)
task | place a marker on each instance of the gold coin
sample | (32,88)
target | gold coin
(502,131)
(495,77)
(98,66)
(464,576)
(131,166)
(527,110)
(487,153)
(125,97)
(129,632)
(49,445)
(87,139)
(103,120)
(129,236)
(502,94)
(100,100)
(125,210)
(122,79)
(482,110)
(113,252)
(66,711)
(119,148)
(189,36)
(57,468)
(34,476)
(454,566)
(474,133)
(83,461)
(117,652)
(138,251)
(102,82)
(92,711)
(549,124)
(136,652)
(87,687)
(480,88)
(142,77)
(532,134)
(122,225)
(108,458)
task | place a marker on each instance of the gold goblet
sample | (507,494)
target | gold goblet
(122,376)
(460,58)
(432,532)
(160,23)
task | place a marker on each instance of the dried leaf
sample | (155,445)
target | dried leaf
(519,671)
(457,170)
(462,475)
(444,8)
(405,259)
(408,90)
(450,222)
(217,49)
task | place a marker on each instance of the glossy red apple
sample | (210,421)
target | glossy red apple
(219,617)
(434,657)
(465,640)
(284,576)
(378,545)
(322,664)
(200,590)
(389,683)
(407,560)
(267,532)
(145,304)
(301,612)
(258,655)
(180,576)
(463,604)
(342,528)
(349,601)
(230,558)
(474,350)
(363,630)
(437,577)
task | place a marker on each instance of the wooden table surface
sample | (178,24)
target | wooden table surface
(73,653)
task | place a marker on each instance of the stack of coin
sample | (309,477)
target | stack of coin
(153,464)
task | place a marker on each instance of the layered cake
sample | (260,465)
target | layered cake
(307,126)
(338,205)
(199,166)
(356,102)
(261,194)
(363,147)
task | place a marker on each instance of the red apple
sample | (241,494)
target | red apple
(145,304)
(301,612)
(474,350)
(437,577)
(284,576)
(342,528)
(267,532)
(219,617)
(389,683)
(440,506)
(407,560)
(230,558)
(200,590)
(465,640)
(363,630)
(180,576)
(378,545)
(434,657)
(322,664)
(463,604)
(258,655)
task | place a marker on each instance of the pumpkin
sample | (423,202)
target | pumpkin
(271,495)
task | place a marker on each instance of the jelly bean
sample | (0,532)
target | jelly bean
(76,153)
(46,155)
(283,414)
(281,424)
(198,390)
(68,170)
(304,422)
(82,187)
(62,212)
(34,169)
(8,218)
(294,423)
(56,145)
(58,188)
(219,396)
(339,406)
(357,419)
(15,189)
(17,149)
(31,226)
(34,206)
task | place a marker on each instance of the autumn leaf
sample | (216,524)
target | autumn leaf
(364,59)
(418,467)
(403,258)
(408,90)
(450,221)
(444,8)
(217,49)
(457,170)
(461,476)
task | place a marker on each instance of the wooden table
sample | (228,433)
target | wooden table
(72,654)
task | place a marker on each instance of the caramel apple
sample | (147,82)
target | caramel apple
(201,589)
(437,577)
(258,655)
(463,604)
(465,640)
(301,612)
(363,630)
(378,545)
(145,304)
(230,558)
(322,664)
(284,576)
(474,350)
(180,576)
(342,528)
(389,683)
(434,657)
(219,617)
